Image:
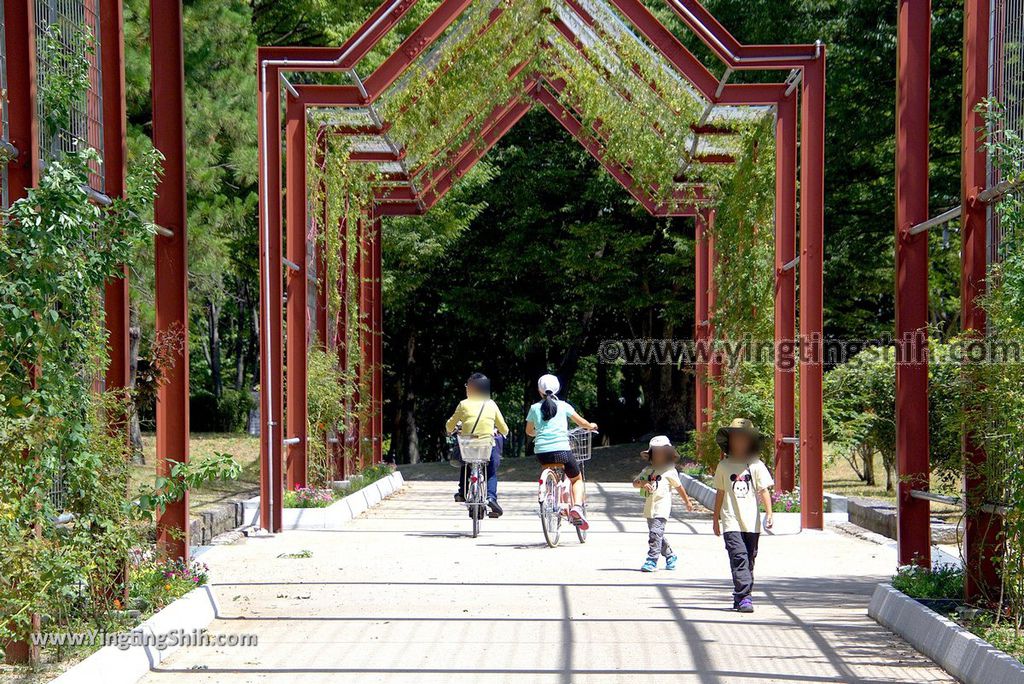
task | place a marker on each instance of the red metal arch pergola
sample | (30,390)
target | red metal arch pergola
(806,64)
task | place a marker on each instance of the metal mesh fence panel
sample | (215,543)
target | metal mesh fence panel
(76,24)
(1006,84)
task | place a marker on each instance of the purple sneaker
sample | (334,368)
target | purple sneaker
(745,606)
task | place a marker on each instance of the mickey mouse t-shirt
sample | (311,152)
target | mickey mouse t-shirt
(741,480)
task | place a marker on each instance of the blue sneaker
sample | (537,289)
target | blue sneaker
(649,566)
(670,562)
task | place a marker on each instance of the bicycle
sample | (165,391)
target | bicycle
(554,495)
(475,452)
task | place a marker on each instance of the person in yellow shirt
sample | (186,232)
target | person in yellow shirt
(479,416)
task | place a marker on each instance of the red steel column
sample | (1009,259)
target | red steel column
(116,300)
(912,106)
(271,337)
(376,316)
(172,430)
(716,357)
(341,335)
(19,34)
(812,228)
(297,289)
(366,341)
(983,530)
(701,317)
(23,172)
(785,290)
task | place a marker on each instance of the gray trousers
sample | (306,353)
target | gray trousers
(657,546)
(742,550)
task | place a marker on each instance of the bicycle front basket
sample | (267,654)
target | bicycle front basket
(475,449)
(579,442)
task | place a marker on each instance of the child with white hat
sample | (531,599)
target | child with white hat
(656,483)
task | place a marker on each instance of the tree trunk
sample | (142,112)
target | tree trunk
(213,329)
(134,428)
(868,455)
(241,339)
(406,436)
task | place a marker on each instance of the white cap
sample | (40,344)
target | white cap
(548,383)
(659,441)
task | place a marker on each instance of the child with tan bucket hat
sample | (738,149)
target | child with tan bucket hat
(656,483)
(742,481)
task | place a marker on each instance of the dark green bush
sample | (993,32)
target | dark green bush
(230,413)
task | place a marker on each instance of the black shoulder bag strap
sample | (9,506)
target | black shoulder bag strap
(472,432)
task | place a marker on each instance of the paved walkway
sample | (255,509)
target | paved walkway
(403,594)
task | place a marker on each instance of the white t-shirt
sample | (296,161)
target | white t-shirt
(741,480)
(658,504)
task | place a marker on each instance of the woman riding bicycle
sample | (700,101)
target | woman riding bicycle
(479,416)
(548,424)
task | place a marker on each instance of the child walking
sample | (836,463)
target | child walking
(741,481)
(656,483)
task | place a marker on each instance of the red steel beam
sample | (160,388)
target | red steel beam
(983,530)
(271,334)
(730,50)
(320,225)
(297,290)
(23,172)
(785,290)
(714,367)
(376,329)
(22,126)
(364,371)
(172,420)
(912,95)
(116,300)
(700,289)
(417,41)
(812,233)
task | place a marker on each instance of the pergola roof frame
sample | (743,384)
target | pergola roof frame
(805,80)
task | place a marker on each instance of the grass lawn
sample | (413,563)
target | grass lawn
(244,448)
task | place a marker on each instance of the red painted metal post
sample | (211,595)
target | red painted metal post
(297,292)
(347,444)
(701,318)
(23,172)
(912,107)
(983,529)
(715,366)
(271,336)
(364,372)
(22,126)
(172,427)
(376,315)
(785,291)
(812,229)
(116,300)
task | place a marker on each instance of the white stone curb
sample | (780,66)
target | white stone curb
(699,491)
(112,665)
(337,514)
(967,657)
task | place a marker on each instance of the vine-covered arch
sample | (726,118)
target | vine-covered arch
(668,129)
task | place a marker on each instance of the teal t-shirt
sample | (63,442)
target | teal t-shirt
(552,435)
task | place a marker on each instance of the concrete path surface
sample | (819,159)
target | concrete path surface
(404,595)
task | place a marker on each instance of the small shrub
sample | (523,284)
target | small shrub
(786,502)
(308,497)
(154,584)
(939,582)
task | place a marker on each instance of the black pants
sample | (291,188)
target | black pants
(742,550)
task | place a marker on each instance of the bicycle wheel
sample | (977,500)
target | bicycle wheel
(550,517)
(476,498)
